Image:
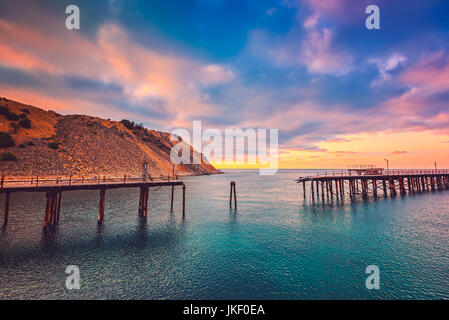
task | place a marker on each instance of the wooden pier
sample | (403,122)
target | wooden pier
(53,189)
(375,183)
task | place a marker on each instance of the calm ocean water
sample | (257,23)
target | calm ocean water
(274,246)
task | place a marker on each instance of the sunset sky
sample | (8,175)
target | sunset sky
(338,93)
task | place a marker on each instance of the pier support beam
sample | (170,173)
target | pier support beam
(7,196)
(172,195)
(51,209)
(184,200)
(47,210)
(322,191)
(364,183)
(58,210)
(304,188)
(53,206)
(336,189)
(351,191)
(145,204)
(432,185)
(408,185)
(313,192)
(374,182)
(392,188)
(143,201)
(342,184)
(402,186)
(101,206)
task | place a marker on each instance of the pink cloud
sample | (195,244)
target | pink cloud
(386,66)
(325,6)
(112,57)
(431,73)
(421,107)
(320,57)
(339,10)
(319,53)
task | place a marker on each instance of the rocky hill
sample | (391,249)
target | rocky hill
(38,142)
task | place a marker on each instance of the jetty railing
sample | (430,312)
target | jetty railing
(386,172)
(6,181)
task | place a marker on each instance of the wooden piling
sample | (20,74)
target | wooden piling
(172,195)
(52,208)
(50,212)
(342,188)
(7,196)
(230,195)
(304,188)
(322,191)
(235,198)
(364,191)
(235,195)
(336,189)
(47,210)
(59,205)
(141,201)
(101,206)
(392,187)
(145,204)
(311,187)
(350,188)
(183,200)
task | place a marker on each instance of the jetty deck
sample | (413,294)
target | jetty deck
(373,182)
(54,187)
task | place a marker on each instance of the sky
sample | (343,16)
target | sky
(338,93)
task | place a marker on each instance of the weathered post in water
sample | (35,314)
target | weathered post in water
(235,195)
(235,198)
(183,200)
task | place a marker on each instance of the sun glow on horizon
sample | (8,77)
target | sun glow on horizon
(404,150)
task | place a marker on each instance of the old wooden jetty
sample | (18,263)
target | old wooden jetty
(54,187)
(367,181)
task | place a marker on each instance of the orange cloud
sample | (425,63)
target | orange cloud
(112,57)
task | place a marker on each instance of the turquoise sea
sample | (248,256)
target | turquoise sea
(274,246)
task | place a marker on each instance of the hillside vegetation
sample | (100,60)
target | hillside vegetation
(34,141)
